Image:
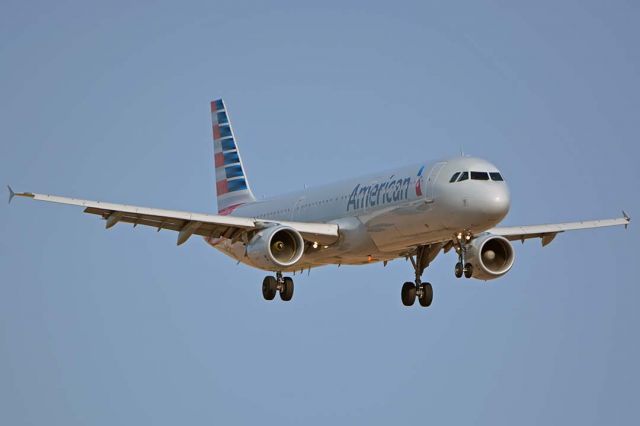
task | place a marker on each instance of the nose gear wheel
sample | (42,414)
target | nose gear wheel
(461,267)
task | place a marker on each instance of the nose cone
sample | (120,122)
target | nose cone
(496,202)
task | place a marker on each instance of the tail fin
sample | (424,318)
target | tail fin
(232,186)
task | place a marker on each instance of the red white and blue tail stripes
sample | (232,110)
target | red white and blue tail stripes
(231,183)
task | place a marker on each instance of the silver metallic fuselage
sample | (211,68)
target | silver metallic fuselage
(386,215)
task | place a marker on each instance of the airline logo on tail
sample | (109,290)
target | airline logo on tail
(227,160)
(231,183)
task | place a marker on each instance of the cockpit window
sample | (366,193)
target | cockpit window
(454,177)
(479,176)
(496,176)
(463,176)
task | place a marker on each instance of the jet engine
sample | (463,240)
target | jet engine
(491,256)
(275,248)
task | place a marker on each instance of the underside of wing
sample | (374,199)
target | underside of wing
(188,224)
(548,232)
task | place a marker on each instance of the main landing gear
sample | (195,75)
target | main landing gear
(424,254)
(412,290)
(462,267)
(421,291)
(278,284)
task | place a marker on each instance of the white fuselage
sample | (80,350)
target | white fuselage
(386,215)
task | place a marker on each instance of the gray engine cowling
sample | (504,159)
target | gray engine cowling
(275,248)
(492,256)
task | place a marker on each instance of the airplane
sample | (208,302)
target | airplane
(413,213)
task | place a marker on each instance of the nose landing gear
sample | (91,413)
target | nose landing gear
(463,268)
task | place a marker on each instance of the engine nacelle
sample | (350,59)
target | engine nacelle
(275,248)
(491,256)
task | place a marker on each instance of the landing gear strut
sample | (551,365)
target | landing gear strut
(278,284)
(417,289)
(463,268)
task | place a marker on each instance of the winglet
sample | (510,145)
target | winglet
(627,217)
(18,194)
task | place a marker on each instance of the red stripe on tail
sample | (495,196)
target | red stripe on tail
(219,159)
(222,187)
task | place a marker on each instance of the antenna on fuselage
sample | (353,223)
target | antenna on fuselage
(461,151)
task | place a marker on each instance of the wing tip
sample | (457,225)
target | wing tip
(627,218)
(11,193)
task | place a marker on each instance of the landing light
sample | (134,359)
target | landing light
(315,245)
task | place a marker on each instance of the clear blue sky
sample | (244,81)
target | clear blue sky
(109,101)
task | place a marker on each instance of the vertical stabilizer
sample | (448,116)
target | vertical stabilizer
(232,187)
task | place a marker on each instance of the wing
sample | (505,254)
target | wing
(549,232)
(186,223)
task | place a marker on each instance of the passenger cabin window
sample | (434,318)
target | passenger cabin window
(463,176)
(496,176)
(454,177)
(479,176)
